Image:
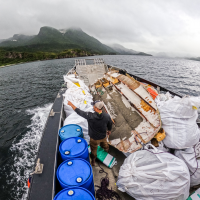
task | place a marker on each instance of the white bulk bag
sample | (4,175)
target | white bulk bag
(68,110)
(191,157)
(74,118)
(81,98)
(178,118)
(154,175)
(77,97)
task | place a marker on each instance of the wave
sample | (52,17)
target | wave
(24,152)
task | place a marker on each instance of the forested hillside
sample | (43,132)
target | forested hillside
(52,40)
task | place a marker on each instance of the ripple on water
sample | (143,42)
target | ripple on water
(23,153)
(27,92)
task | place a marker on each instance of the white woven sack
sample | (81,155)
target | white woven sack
(74,118)
(191,157)
(179,122)
(77,97)
(154,175)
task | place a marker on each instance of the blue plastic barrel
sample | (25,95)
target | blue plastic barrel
(74,193)
(76,172)
(70,130)
(74,147)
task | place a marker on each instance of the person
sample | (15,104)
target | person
(99,125)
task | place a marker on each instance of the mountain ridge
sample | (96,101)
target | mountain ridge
(125,51)
(50,39)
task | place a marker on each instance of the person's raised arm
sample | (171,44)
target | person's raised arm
(72,105)
(78,111)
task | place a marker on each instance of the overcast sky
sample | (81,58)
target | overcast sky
(171,26)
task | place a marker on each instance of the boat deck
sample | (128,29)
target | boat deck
(44,186)
(112,173)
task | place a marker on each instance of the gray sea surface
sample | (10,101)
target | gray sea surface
(27,92)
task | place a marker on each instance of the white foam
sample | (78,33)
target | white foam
(25,150)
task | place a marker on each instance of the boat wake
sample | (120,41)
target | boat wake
(24,152)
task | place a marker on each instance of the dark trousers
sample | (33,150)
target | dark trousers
(94,144)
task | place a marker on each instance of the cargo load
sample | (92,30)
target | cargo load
(191,157)
(152,174)
(179,116)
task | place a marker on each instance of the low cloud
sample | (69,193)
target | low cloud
(148,26)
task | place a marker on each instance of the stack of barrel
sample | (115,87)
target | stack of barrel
(75,172)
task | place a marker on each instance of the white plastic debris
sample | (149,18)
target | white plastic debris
(191,157)
(81,98)
(154,175)
(178,116)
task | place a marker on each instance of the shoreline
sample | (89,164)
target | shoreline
(36,61)
(14,64)
(54,59)
(50,59)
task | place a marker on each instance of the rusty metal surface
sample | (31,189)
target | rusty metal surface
(125,137)
(131,83)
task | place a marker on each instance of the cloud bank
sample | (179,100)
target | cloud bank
(149,26)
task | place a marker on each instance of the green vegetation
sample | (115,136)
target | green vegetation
(52,40)
(51,43)
(13,57)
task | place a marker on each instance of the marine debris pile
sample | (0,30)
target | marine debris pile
(179,116)
(132,108)
(79,94)
(158,132)
(153,173)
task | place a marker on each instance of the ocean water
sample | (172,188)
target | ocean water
(27,92)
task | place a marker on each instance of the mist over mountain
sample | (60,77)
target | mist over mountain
(124,51)
(52,40)
(197,59)
(171,55)
(56,40)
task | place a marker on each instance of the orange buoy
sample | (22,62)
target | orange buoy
(152,92)
(29,181)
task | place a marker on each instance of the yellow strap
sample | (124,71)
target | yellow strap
(77,84)
(194,107)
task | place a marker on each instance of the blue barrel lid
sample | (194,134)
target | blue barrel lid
(70,130)
(74,193)
(72,147)
(74,172)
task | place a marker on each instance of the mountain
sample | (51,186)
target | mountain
(197,59)
(16,40)
(52,40)
(124,51)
